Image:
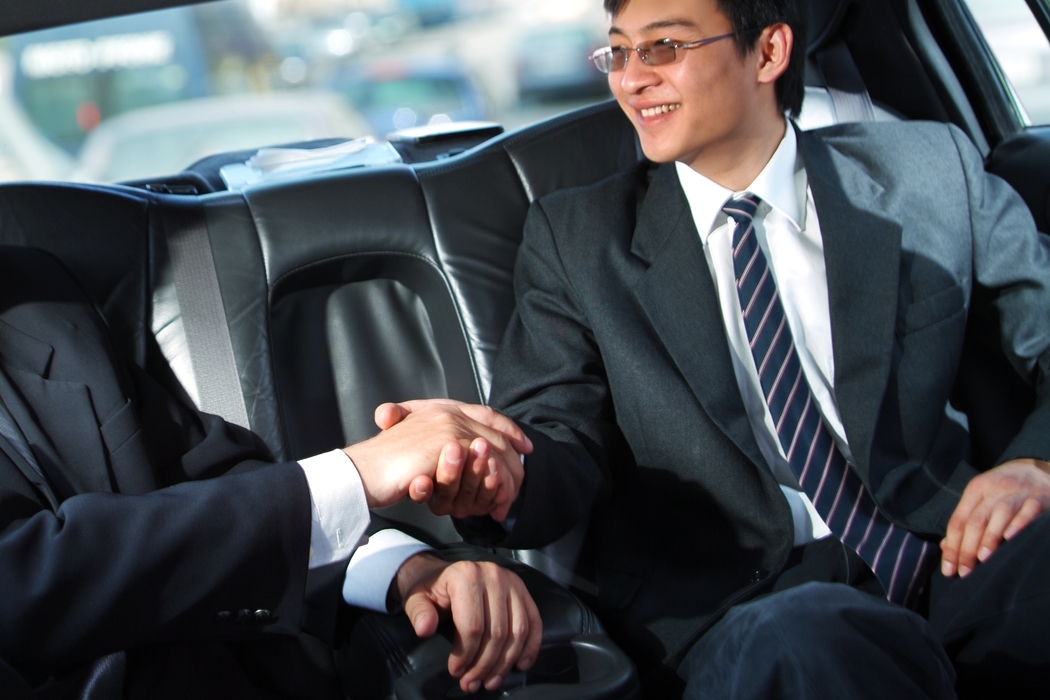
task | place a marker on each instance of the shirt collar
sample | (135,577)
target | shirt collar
(781,184)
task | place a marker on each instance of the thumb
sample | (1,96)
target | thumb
(421,489)
(387,415)
(422,614)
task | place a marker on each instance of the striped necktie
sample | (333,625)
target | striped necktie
(898,558)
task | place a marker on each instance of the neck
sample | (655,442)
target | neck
(736,162)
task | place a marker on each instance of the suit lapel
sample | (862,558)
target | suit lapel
(680,299)
(57,418)
(862,256)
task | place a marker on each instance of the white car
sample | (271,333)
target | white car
(160,140)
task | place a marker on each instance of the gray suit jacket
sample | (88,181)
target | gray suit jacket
(618,364)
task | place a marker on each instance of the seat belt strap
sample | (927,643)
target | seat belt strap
(845,86)
(203,315)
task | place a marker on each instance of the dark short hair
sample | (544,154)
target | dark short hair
(759,14)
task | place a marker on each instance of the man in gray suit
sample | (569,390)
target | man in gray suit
(735,364)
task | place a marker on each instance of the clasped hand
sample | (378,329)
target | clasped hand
(461,459)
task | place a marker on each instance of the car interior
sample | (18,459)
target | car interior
(295,305)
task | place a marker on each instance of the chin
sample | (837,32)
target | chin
(661,155)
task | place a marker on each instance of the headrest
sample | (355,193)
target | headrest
(825,20)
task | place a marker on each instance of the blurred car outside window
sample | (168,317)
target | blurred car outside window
(146,95)
(1022,50)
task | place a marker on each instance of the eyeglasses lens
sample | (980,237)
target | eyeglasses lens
(659,54)
(614,58)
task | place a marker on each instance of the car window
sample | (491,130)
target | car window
(146,95)
(1022,50)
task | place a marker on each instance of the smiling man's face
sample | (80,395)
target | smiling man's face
(706,105)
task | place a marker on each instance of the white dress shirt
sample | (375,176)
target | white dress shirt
(338,520)
(789,235)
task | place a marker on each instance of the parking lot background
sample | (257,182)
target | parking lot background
(145,96)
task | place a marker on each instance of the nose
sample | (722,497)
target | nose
(637,75)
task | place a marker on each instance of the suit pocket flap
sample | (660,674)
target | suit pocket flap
(936,307)
(119,427)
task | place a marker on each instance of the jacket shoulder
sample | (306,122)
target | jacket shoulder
(613,199)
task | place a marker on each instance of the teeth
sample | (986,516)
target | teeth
(660,109)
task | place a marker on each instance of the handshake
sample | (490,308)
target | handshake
(461,459)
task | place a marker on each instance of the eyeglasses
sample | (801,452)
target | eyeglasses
(610,59)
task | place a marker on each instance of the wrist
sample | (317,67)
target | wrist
(358,459)
(416,568)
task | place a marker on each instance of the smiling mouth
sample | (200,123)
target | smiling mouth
(659,109)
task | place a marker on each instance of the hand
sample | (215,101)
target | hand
(404,458)
(488,482)
(497,622)
(995,505)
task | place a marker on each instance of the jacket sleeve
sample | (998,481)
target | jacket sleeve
(1012,286)
(549,376)
(111,571)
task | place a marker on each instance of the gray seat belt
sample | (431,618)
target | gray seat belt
(203,315)
(845,86)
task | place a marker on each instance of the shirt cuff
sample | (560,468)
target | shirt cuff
(374,565)
(338,507)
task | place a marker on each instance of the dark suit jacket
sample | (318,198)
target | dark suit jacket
(617,363)
(126,540)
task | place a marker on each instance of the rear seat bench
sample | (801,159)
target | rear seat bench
(339,291)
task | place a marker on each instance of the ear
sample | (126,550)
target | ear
(774,52)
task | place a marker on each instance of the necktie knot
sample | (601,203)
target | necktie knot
(742,207)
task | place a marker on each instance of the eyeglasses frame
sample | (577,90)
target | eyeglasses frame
(644,52)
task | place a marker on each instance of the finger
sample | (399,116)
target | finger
(517,636)
(504,498)
(496,635)
(957,527)
(976,524)
(422,614)
(493,481)
(474,474)
(463,504)
(448,476)
(1030,509)
(1002,515)
(421,489)
(535,640)
(488,479)
(501,423)
(387,415)
(416,405)
(469,609)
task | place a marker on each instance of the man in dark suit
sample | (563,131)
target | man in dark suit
(148,550)
(736,364)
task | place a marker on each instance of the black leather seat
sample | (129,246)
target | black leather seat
(341,291)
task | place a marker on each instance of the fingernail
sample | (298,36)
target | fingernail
(948,569)
(964,571)
(492,467)
(984,554)
(474,685)
(524,664)
(494,682)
